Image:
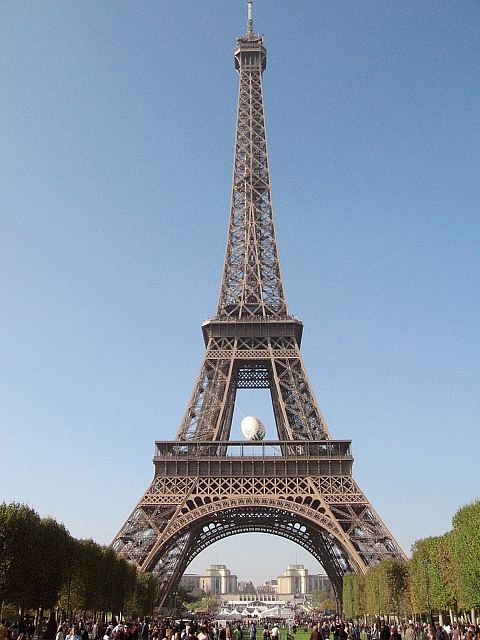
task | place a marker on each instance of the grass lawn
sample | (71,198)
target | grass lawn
(300,635)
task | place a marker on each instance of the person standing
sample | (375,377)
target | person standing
(410,633)
(384,631)
(73,634)
(61,632)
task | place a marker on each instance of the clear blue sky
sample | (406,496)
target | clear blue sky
(117,126)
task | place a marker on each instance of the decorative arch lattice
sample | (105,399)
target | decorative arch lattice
(216,523)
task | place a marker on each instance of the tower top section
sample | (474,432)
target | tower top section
(252,283)
(250,45)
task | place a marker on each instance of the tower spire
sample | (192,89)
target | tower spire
(249,18)
(251,283)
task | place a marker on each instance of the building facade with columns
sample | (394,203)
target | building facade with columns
(296,581)
(218,581)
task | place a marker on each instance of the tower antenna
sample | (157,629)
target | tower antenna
(249,19)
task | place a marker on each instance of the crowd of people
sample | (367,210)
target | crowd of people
(339,630)
(328,628)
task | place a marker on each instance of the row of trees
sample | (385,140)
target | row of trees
(43,567)
(442,575)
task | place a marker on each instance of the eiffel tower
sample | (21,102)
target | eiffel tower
(207,487)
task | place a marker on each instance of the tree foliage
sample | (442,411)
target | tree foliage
(347,594)
(320,600)
(354,595)
(41,565)
(465,548)
(394,584)
(430,588)
(373,596)
(18,526)
(443,574)
(208,604)
(141,601)
(448,568)
(53,546)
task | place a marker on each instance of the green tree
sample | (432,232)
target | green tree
(124,575)
(41,565)
(448,569)
(109,587)
(465,544)
(431,591)
(141,601)
(81,590)
(393,577)
(53,546)
(19,527)
(358,595)
(320,600)
(347,595)
(195,594)
(208,604)
(374,602)
(420,576)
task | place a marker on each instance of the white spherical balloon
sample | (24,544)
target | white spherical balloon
(252,428)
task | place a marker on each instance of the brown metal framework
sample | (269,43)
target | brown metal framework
(207,487)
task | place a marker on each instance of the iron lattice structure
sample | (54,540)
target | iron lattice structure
(207,487)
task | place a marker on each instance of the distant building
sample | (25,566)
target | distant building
(190,581)
(295,581)
(268,587)
(319,582)
(218,581)
(245,587)
(257,598)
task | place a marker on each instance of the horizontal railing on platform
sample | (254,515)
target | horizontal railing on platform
(249,319)
(266,449)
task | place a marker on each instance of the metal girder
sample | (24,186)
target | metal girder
(254,363)
(252,283)
(181,515)
(275,522)
(204,489)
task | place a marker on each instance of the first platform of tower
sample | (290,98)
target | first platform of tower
(252,428)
